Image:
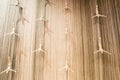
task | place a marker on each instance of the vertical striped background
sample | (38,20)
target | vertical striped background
(81,43)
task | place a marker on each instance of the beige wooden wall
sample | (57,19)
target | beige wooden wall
(79,45)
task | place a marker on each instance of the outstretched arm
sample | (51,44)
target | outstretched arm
(102,15)
(12,70)
(36,50)
(96,51)
(62,68)
(106,52)
(3,71)
(42,50)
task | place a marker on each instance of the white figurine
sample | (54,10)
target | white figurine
(101,50)
(12,33)
(21,12)
(67,8)
(8,69)
(40,49)
(66,67)
(97,13)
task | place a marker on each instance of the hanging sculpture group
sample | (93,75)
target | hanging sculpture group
(47,29)
(68,36)
(101,50)
(100,47)
(14,33)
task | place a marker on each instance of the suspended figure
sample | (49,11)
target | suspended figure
(101,50)
(12,33)
(66,67)
(21,13)
(40,49)
(97,13)
(9,67)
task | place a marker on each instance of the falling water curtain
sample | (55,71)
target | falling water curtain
(82,42)
(19,48)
